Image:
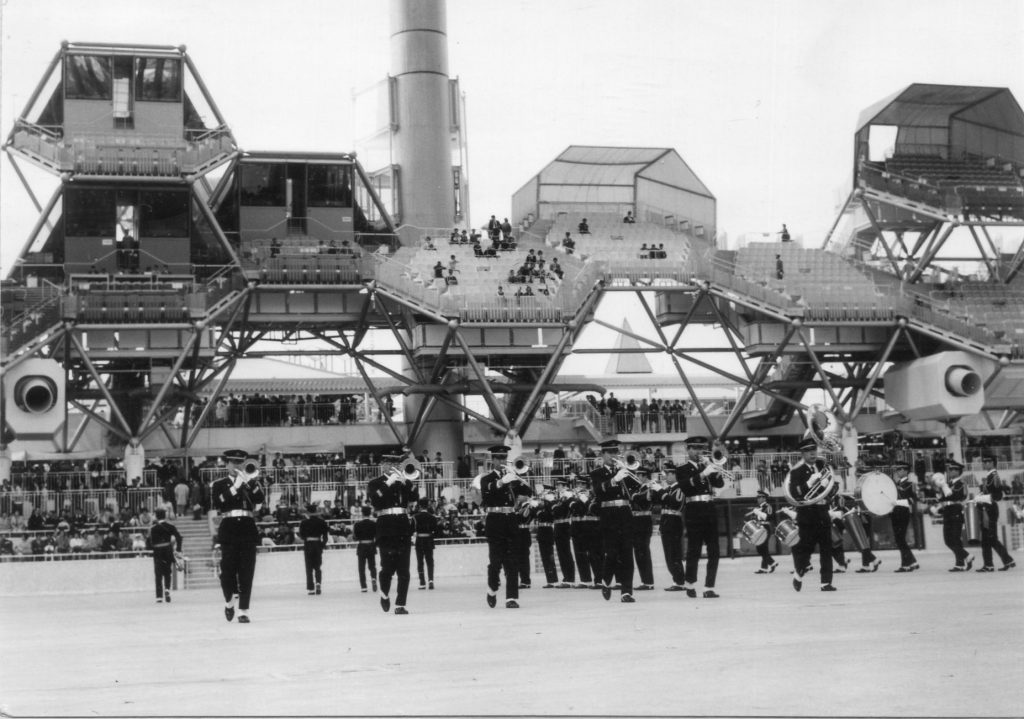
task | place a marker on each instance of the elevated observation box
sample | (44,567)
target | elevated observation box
(133,111)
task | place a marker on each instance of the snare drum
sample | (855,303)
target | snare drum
(787,532)
(855,527)
(878,493)
(754,532)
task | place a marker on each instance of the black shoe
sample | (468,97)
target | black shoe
(798,582)
(159,600)
(970,563)
(318,589)
(374,587)
(675,588)
(827,588)
(310,592)
(914,566)
(511,604)
(907,569)
(492,600)
(606,592)
(548,586)
(691,592)
(864,570)
(837,570)
(385,603)
(524,586)
(645,587)
(401,610)
(956,568)
(772,567)
(363,590)
(229,613)
(423,586)
(627,599)
(1008,566)
(761,571)
(430,584)
(985,569)
(167,596)
(710,594)
(244,619)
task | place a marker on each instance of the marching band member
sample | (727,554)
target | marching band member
(582,530)
(391,494)
(698,484)
(906,498)
(237,496)
(612,486)
(812,518)
(670,527)
(841,504)
(990,491)
(641,531)
(365,532)
(165,541)
(523,540)
(425,524)
(498,489)
(313,532)
(763,514)
(562,533)
(952,493)
(543,514)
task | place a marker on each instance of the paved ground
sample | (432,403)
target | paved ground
(924,644)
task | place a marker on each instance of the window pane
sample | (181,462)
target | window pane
(263,185)
(164,214)
(90,213)
(329,186)
(87,77)
(158,79)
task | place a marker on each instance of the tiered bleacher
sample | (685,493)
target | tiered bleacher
(302,260)
(997,307)
(616,241)
(824,283)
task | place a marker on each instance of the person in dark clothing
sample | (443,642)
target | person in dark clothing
(363,533)
(313,532)
(391,494)
(562,535)
(780,270)
(165,541)
(762,513)
(613,485)
(991,491)
(670,527)
(812,486)
(952,493)
(426,529)
(698,480)
(499,489)
(237,496)
(641,532)
(541,513)
(906,498)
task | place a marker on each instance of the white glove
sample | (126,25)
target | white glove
(392,480)
(507,479)
(760,515)
(709,470)
(835,514)
(983,499)
(903,503)
(619,476)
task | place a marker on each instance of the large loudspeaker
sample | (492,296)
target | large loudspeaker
(943,386)
(34,398)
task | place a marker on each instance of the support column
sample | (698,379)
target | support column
(443,429)
(953,445)
(134,461)
(5,465)
(849,440)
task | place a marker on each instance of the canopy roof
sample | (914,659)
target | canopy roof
(262,375)
(592,166)
(923,105)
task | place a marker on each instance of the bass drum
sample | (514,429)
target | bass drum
(877,492)
(787,532)
(754,532)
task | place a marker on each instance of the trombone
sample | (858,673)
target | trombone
(718,459)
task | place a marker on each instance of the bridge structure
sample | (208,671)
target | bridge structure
(166,253)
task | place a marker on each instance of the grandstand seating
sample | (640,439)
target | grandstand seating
(613,240)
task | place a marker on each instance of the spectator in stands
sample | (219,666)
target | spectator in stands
(439,271)
(568,243)
(494,229)
(779,270)
(501,293)
(583,228)
(453,265)
(784,233)
(275,247)
(428,244)
(453,239)
(451,279)
(644,252)
(661,253)
(556,268)
(629,219)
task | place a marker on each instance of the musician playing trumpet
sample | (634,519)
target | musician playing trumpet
(952,492)
(991,491)
(563,532)
(906,498)
(500,489)
(810,486)
(643,527)
(698,477)
(613,485)
(237,496)
(391,493)
(670,528)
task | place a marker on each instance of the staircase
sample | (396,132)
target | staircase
(197,545)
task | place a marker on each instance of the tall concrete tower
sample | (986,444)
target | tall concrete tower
(422,140)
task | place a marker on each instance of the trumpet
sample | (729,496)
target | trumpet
(718,459)
(250,469)
(630,463)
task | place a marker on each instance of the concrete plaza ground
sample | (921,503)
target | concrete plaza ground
(928,643)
